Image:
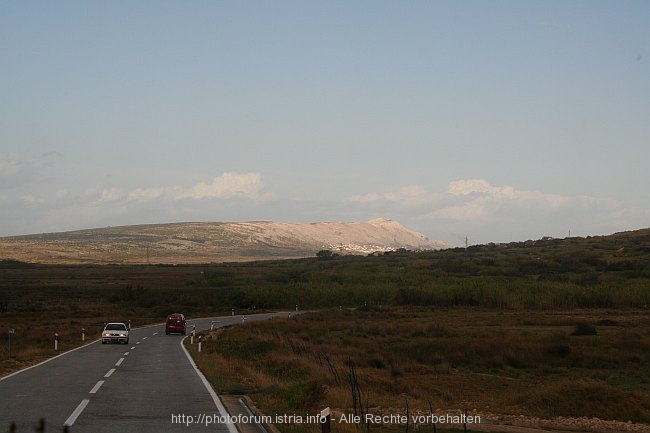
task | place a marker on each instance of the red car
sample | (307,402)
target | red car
(175,324)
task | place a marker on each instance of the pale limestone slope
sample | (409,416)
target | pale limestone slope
(201,242)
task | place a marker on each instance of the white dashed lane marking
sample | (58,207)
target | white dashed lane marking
(96,387)
(80,408)
(75,414)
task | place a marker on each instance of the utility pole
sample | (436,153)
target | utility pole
(465,244)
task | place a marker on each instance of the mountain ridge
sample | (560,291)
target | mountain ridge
(204,242)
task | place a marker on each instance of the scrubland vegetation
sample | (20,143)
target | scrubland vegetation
(544,328)
(495,364)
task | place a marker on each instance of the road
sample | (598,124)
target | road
(148,385)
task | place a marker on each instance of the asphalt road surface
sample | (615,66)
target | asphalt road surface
(148,385)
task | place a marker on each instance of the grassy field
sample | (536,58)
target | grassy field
(494,364)
(543,328)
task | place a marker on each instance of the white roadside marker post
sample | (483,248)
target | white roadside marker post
(325,421)
(56,341)
(199,344)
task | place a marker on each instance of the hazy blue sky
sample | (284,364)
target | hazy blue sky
(499,120)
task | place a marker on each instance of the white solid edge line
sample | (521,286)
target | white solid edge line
(215,398)
(46,361)
(95,341)
(75,414)
(69,351)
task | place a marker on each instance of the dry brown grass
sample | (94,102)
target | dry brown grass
(33,339)
(493,363)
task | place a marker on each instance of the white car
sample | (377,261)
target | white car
(115,333)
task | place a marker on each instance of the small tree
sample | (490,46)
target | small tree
(325,254)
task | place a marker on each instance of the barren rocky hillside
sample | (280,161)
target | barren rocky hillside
(202,242)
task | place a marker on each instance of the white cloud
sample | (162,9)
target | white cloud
(470,211)
(477,199)
(464,187)
(481,200)
(40,176)
(494,212)
(228,185)
(410,194)
(110,195)
(17,170)
(46,195)
(53,203)
(140,194)
(225,186)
